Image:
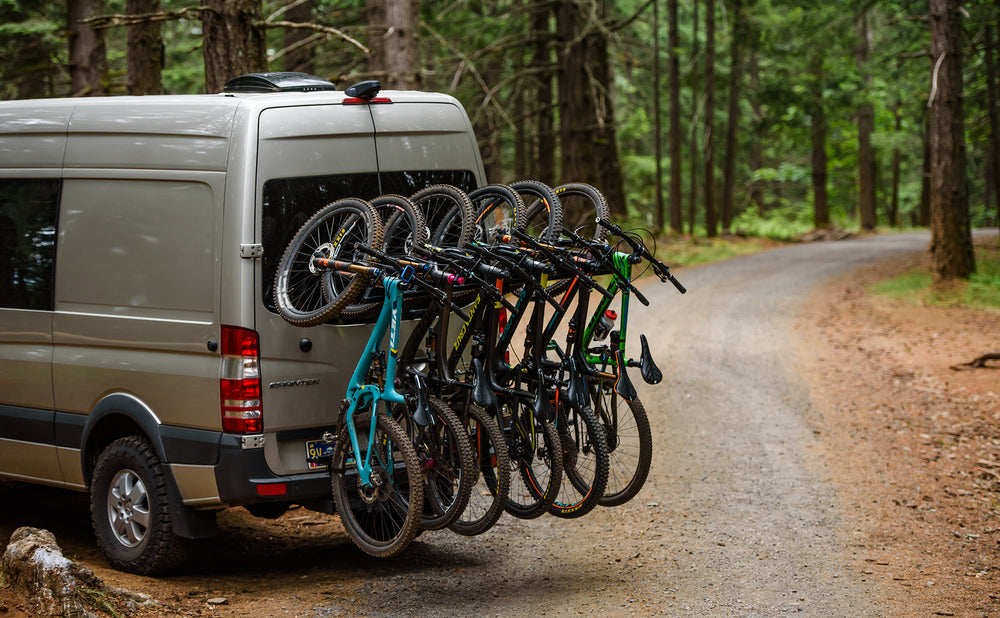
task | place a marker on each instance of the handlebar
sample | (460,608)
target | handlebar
(639,249)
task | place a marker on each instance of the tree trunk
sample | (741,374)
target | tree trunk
(657,124)
(993,160)
(897,158)
(711,221)
(375,13)
(609,171)
(234,42)
(695,50)
(87,57)
(300,55)
(756,147)
(818,130)
(924,214)
(586,114)
(145,49)
(485,122)
(951,237)
(866,126)
(676,165)
(542,104)
(735,75)
(28,68)
(401,61)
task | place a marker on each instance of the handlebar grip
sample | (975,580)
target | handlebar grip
(640,297)
(677,284)
(490,272)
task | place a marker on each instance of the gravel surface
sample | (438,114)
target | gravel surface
(735,519)
(732,520)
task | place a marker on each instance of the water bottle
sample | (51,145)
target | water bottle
(605,324)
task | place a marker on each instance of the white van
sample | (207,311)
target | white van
(141,357)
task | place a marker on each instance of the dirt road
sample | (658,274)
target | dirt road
(735,519)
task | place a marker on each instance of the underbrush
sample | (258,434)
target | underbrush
(981,291)
(691,251)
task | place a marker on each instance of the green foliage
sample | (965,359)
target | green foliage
(782,223)
(981,291)
(481,52)
(678,252)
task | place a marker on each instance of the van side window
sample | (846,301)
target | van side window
(28,211)
(289,202)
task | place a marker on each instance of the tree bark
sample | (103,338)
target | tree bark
(866,126)
(145,49)
(818,131)
(993,103)
(657,124)
(924,214)
(711,220)
(300,56)
(542,65)
(375,13)
(400,41)
(234,42)
(897,159)
(695,50)
(29,67)
(952,255)
(586,114)
(733,121)
(87,56)
(756,148)
(676,164)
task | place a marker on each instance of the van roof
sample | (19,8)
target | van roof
(33,133)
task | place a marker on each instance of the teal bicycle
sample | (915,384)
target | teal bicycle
(378,486)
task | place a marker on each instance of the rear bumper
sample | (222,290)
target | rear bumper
(243,478)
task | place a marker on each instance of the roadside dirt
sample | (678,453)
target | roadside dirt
(911,446)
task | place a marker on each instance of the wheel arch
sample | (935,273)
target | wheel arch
(116,416)
(119,415)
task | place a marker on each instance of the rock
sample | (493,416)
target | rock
(34,567)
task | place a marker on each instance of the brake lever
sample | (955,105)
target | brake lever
(549,253)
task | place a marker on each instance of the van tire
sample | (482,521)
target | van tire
(130,509)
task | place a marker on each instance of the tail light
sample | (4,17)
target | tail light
(239,381)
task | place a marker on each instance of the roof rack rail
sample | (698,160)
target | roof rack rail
(277,82)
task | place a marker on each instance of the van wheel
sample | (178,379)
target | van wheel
(130,509)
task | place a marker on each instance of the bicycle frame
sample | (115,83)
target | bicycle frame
(361,395)
(624,270)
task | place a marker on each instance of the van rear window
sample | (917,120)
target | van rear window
(289,202)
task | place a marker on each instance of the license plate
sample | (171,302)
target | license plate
(318,453)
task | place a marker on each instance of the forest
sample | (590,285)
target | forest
(694,117)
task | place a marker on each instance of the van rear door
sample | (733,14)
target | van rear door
(308,156)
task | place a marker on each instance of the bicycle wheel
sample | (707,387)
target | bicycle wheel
(447,462)
(498,210)
(489,494)
(535,462)
(403,228)
(306,295)
(447,211)
(543,215)
(382,518)
(585,461)
(582,205)
(630,443)
(402,223)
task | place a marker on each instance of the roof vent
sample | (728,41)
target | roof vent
(277,82)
